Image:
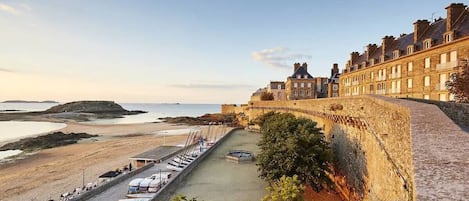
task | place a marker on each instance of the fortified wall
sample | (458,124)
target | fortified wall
(383,148)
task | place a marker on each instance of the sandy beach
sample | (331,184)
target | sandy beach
(50,172)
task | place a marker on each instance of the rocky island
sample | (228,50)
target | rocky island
(78,111)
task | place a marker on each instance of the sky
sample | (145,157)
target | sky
(186,51)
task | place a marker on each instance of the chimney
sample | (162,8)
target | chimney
(305,66)
(420,26)
(335,69)
(354,57)
(386,44)
(453,12)
(370,48)
(295,67)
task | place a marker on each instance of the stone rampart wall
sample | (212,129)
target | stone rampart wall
(458,112)
(371,138)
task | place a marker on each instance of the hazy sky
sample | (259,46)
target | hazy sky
(196,51)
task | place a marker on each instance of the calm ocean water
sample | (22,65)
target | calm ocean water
(17,129)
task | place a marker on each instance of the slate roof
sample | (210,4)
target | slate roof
(435,31)
(300,71)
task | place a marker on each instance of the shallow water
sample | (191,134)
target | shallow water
(218,179)
(8,153)
(18,129)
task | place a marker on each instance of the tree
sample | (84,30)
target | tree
(293,146)
(286,189)
(266,96)
(183,198)
(459,85)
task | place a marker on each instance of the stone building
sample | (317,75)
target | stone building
(300,85)
(321,86)
(413,65)
(256,96)
(277,88)
(333,82)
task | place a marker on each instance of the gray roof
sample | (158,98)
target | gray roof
(301,71)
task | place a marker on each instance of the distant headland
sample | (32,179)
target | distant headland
(78,111)
(25,101)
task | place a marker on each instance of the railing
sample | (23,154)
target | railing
(381,91)
(382,78)
(447,65)
(394,90)
(395,75)
(441,87)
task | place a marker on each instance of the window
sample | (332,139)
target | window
(410,49)
(372,75)
(363,89)
(442,97)
(453,56)
(298,76)
(302,92)
(410,66)
(295,85)
(448,37)
(372,62)
(372,87)
(302,85)
(305,76)
(443,58)
(395,54)
(426,96)
(398,70)
(384,74)
(427,43)
(427,81)
(309,85)
(427,62)
(308,93)
(335,87)
(451,97)
(279,86)
(409,83)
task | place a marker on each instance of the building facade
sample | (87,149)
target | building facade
(321,86)
(277,88)
(256,96)
(333,82)
(300,85)
(414,65)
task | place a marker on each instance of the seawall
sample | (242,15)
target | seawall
(384,147)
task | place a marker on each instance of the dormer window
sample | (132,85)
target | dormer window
(395,54)
(305,76)
(381,59)
(372,62)
(448,37)
(298,76)
(410,49)
(427,43)
(364,64)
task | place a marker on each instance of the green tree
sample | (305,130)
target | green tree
(286,189)
(183,198)
(459,85)
(293,146)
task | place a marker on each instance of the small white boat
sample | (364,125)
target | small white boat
(143,186)
(133,185)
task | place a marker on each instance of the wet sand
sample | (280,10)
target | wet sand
(50,172)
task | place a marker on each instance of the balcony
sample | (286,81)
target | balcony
(394,90)
(382,78)
(447,65)
(395,75)
(381,91)
(355,82)
(441,87)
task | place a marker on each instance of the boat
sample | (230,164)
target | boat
(133,185)
(239,155)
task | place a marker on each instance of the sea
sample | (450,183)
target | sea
(11,130)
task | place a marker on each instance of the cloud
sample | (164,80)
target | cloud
(5,70)
(211,86)
(279,57)
(9,9)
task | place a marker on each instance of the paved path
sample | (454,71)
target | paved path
(119,191)
(440,151)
